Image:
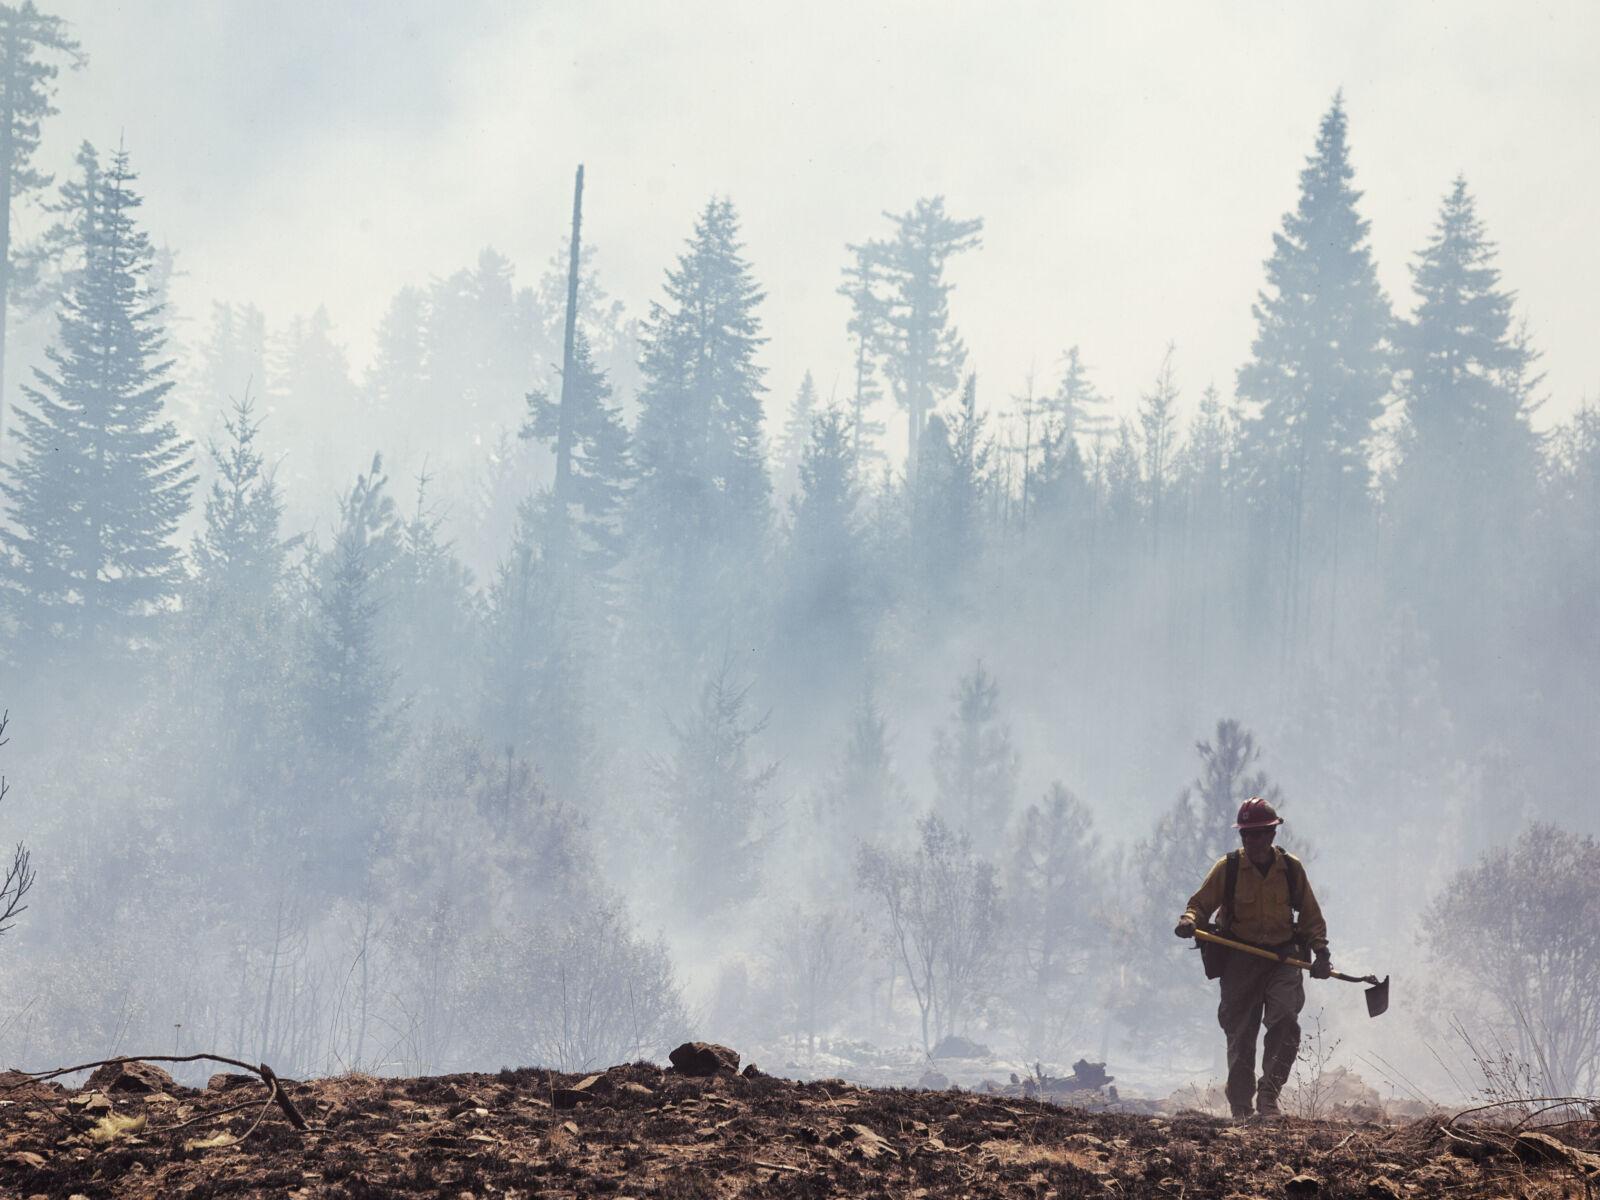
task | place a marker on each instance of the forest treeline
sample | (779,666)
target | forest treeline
(334,766)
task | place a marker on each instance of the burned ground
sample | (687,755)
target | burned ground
(644,1132)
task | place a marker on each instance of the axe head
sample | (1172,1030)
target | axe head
(1378,998)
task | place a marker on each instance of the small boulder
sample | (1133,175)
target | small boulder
(704,1058)
(751,1071)
(130,1077)
(226,1081)
(581,1092)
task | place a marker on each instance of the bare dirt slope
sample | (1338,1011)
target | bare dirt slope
(642,1131)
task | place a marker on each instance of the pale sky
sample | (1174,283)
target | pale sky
(1131,161)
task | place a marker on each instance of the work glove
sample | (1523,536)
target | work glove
(1321,966)
(1185,927)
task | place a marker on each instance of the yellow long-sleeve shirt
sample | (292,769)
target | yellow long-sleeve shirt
(1261,912)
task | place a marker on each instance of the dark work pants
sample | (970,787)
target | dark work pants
(1254,989)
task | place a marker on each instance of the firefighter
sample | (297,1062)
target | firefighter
(1262,897)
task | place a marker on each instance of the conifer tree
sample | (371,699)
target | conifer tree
(974,763)
(516,636)
(1467,478)
(715,796)
(1158,420)
(1076,406)
(1317,377)
(948,496)
(102,478)
(601,471)
(233,357)
(348,680)
(796,435)
(865,792)
(866,329)
(396,383)
(702,503)
(1054,893)
(823,616)
(236,673)
(238,555)
(922,353)
(32,44)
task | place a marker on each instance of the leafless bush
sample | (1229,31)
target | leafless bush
(1310,1090)
(941,908)
(816,957)
(1520,935)
(19,875)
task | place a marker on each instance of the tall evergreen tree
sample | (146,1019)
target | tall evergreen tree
(823,609)
(948,497)
(348,680)
(1317,377)
(702,503)
(102,478)
(238,555)
(1465,486)
(866,329)
(1076,406)
(601,472)
(233,358)
(974,763)
(1158,420)
(864,792)
(32,45)
(922,353)
(715,796)
(796,435)
(396,384)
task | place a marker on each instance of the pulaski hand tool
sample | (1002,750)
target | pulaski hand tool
(1377,993)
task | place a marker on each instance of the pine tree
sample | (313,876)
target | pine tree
(396,384)
(1158,420)
(1317,378)
(233,357)
(974,763)
(233,667)
(1054,891)
(238,556)
(948,496)
(796,435)
(1465,486)
(430,614)
(864,794)
(1077,408)
(102,478)
(715,796)
(922,353)
(312,402)
(866,329)
(349,682)
(601,471)
(516,636)
(702,504)
(476,336)
(822,619)
(31,45)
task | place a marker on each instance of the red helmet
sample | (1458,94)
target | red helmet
(1256,813)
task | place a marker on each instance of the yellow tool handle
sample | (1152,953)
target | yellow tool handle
(1248,949)
(1203,936)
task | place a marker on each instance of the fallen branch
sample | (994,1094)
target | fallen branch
(277,1094)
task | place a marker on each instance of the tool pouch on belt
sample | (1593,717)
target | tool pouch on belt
(1214,957)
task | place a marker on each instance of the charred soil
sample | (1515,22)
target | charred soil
(646,1132)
